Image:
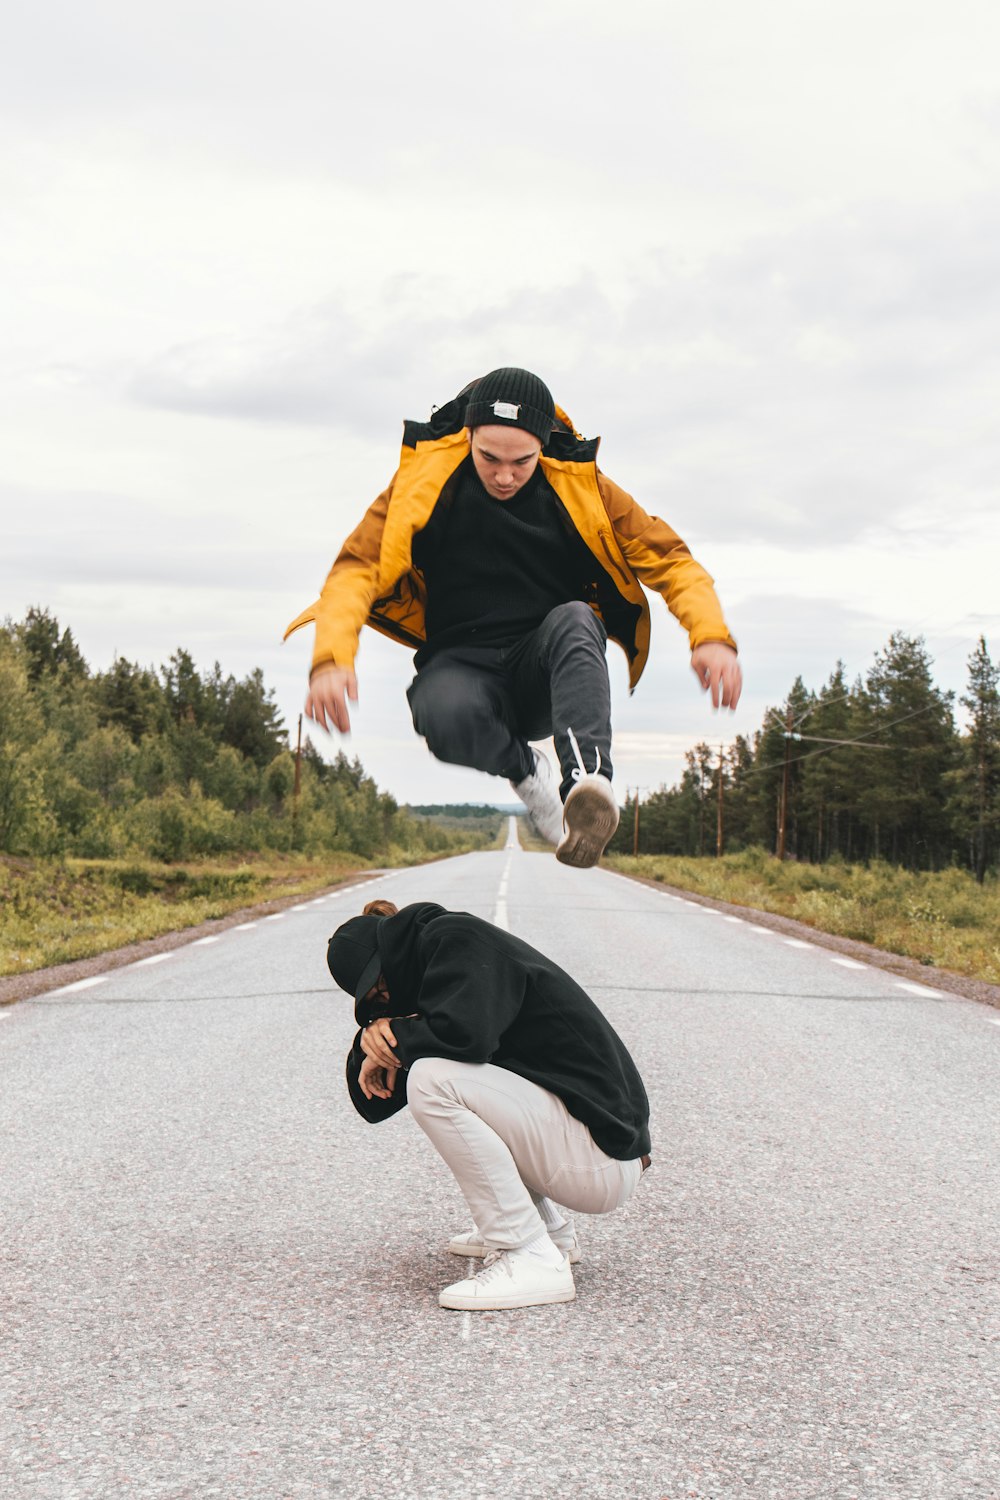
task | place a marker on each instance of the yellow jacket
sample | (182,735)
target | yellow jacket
(374,582)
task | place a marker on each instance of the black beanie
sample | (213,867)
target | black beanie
(512,398)
(352,955)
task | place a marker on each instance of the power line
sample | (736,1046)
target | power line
(858,741)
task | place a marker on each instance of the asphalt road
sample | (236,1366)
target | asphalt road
(216,1279)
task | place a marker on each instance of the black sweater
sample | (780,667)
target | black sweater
(481,995)
(495,568)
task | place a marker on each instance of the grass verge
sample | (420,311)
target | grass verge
(941,918)
(52,912)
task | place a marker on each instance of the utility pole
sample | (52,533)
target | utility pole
(297,783)
(817,739)
(718,826)
(635,827)
(783,810)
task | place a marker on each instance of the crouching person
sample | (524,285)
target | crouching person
(513,1073)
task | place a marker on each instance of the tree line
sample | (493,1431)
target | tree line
(171,763)
(873,769)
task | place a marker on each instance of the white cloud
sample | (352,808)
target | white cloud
(751,245)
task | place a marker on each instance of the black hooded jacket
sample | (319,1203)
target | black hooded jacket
(480,995)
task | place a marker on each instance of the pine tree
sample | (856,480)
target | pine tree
(903,795)
(975,804)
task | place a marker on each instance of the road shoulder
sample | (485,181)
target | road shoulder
(879,958)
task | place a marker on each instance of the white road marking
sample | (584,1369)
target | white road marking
(500,911)
(275,916)
(848,963)
(204,942)
(466,1324)
(304,907)
(81,984)
(737,919)
(918,989)
(768,930)
(797,943)
(244,926)
(156,958)
(993,1022)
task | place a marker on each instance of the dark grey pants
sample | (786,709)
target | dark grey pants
(479,706)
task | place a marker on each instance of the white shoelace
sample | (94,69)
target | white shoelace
(495,1262)
(580,770)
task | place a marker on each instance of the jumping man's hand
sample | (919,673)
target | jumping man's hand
(376,1041)
(326,702)
(716,668)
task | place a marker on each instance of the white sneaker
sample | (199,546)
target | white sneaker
(509,1278)
(540,795)
(591,817)
(472,1243)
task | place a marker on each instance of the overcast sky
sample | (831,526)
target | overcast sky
(754,246)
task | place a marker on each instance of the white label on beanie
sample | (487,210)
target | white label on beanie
(506,409)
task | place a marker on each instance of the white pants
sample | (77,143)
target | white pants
(512,1144)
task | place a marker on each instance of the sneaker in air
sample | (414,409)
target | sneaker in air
(540,795)
(510,1278)
(591,817)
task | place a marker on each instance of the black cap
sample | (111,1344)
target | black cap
(352,955)
(512,398)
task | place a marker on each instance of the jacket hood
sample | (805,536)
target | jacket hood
(398,945)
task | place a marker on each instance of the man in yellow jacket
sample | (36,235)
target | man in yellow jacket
(504,556)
